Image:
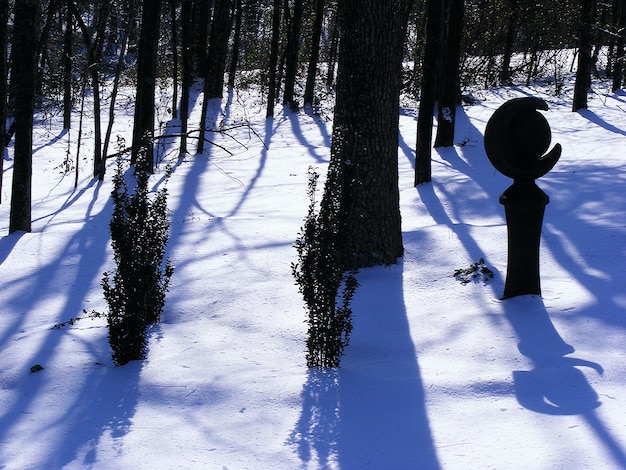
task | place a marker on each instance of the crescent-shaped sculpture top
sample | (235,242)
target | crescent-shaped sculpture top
(516,138)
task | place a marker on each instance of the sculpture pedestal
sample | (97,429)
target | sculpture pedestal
(524,205)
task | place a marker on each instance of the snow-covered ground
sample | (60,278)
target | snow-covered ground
(437,375)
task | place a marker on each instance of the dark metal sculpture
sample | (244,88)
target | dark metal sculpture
(516,139)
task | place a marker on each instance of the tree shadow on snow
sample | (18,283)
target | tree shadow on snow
(371,412)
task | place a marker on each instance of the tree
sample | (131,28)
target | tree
(25,45)
(185,14)
(236,43)
(309,89)
(218,49)
(294,25)
(434,22)
(271,93)
(143,127)
(505,69)
(361,197)
(216,61)
(4,35)
(619,8)
(583,72)
(449,92)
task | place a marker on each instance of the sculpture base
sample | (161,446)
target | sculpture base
(524,204)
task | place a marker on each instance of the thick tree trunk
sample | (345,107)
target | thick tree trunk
(143,128)
(423,150)
(361,197)
(583,73)
(25,45)
(449,83)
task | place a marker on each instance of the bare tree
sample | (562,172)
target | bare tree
(583,72)
(428,90)
(25,45)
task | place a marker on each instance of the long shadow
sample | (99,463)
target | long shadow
(296,128)
(371,412)
(556,385)
(105,399)
(598,121)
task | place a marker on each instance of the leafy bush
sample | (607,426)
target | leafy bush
(320,279)
(135,294)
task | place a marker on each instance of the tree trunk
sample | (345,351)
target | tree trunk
(618,67)
(4,35)
(291,52)
(25,45)
(361,197)
(216,62)
(309,90)
(423,150)
(67,71)
(583,73)
(505,71)
(271,94)
(449,82)
(143,128)
(334,46)
(236,45)
(174,30)
(218,50)
(201,19)
(185,14)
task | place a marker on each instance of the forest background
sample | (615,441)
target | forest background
(59,50)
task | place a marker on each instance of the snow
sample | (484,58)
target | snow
(437,375)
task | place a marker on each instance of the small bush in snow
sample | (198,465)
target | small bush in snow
(135,294)
(320,279)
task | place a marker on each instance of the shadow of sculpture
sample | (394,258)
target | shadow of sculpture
(557,384)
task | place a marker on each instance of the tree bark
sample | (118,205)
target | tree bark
(216,62)
(218,50)
(449,82)
(4,35)
(505,70)
(232,70)
(361,196)
(423,150)
(143,126)
(583,72)
(618,67)
(291,52)
(25,45)
(185,14)
(309,90)
(271,94)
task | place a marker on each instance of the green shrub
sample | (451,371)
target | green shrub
(135,293)
(320,280)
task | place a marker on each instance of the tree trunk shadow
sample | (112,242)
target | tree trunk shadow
(371,412)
